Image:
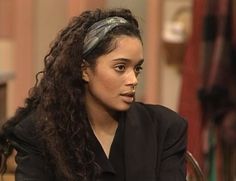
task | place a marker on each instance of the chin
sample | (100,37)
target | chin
(123,107)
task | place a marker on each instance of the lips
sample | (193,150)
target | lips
(130,94)
(128,97)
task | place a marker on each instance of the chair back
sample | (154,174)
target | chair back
(198,174)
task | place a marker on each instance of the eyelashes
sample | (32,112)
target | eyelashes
(121,68)
(138,69)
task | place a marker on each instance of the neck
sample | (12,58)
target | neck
(101,118)
(103,121)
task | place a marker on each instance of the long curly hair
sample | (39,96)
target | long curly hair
(58,97)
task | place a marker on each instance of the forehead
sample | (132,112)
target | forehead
(124,48)
(127,46)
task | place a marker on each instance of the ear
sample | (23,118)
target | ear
(85,71)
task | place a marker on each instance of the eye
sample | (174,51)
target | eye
(138,69)
(120,68)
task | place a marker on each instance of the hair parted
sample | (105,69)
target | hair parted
(58,97)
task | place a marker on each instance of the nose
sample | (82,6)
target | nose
(132,79)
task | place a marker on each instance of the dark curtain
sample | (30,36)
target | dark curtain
(208,97)
(189,104)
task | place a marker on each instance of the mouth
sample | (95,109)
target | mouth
(129,94)
(128,97)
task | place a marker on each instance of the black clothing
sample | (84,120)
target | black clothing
(150,146)
(113,168)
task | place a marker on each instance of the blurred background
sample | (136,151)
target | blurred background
(190,64)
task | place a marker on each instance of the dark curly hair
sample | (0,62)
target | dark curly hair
(58,97)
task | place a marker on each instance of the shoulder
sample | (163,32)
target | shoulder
(160,114)
(24,135)
(168,125)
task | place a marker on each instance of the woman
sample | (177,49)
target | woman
(80,121)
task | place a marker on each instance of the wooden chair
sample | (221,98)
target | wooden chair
(197,171)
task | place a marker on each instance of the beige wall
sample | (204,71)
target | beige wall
(139,10)
(6,65)
(166,76)
(7,44)
(171,77)
(48,20)
(16,50)
(40,20)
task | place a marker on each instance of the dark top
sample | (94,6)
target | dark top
(113,168)
(152,148)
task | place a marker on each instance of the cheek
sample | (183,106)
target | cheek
(110,82)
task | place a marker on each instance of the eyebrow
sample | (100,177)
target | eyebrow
(128,60)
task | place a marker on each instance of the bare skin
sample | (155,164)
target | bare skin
(104,127)
(111,87)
